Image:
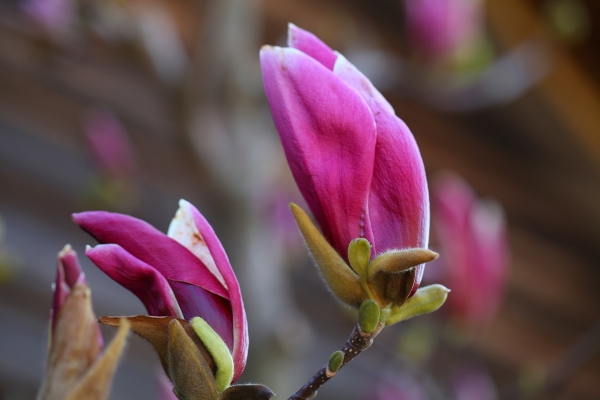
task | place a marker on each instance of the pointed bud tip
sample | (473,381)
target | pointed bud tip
(65,250)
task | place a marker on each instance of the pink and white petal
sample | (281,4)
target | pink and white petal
(359,82)
(183,229)
(311,45)
(328,135)
(148,244)
(138,277)
(240,324)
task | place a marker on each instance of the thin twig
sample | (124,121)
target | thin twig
(358,342)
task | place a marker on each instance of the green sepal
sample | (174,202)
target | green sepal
(341,280)
(392,275)
(335,361)
(188,370)
(247,392)
(400,260)
(359,255)
(368,315)
(218,350)
(156,331)
(426,299)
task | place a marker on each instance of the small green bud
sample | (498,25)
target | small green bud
(368,316)
(335,361)
(359,255)
(218,350)
(427,299)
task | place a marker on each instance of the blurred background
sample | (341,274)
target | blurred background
(129,105)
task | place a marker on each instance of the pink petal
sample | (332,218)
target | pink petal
(359,82)
(138,277)
(240,325)
(153,247)
(310,44)
(215,310)
(328,135)
(399,198)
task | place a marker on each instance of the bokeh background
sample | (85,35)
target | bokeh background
(130,105)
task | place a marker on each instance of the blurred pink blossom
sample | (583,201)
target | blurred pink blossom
(53,15)
(473,383)
(403,387)
(109,143)
(471,234)
(441,29)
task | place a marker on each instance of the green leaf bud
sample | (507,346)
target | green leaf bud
(335,361)
(368,316)
(359,255)
(427,299)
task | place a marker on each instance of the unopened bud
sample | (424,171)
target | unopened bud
(359,255)
(335,361)
(368,316)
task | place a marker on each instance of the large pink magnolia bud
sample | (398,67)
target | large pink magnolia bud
(356,163)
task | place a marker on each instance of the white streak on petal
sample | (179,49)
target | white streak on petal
(184,231)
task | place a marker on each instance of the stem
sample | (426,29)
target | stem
(358,342)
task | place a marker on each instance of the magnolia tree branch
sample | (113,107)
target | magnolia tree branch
(358,342)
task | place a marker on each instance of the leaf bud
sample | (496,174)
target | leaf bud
(368,316)
(335,361)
